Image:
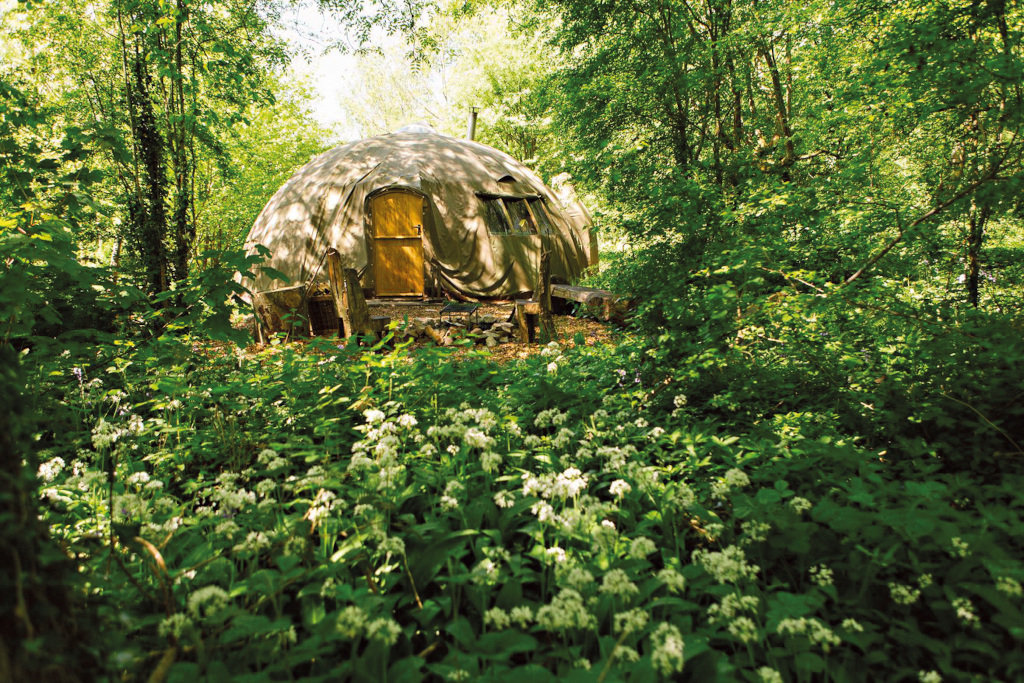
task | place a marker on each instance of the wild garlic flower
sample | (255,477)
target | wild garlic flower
(174,626)
(800,505)
(321,506)
(903,595)
(625,653)
(454,488)
(755,531)
(679,401)
(814,629)
(929,676)
(821,575)
(407,421)
(497,618)
(925,580)
(667,655)
(393,545)
(1009,586)
(960,547)
(582,663)
(458,675)
(673,580)
(567,610)
(374,416)
(642,547)
(522,615)
(569,483)
(384,630)
(733,479)
(504,499)
(105,435)
(852,625)
(617,583)
(731,606)
(207,601)
(769,675)
(351,621)
(475,438)
(485,573)
(556,554)
(744,628)
(579,578)
(489,461)
(551,350)
(727,566)
(253,543)
(630,621)
(619,488)
(49,470)
(684,497)
(965,612)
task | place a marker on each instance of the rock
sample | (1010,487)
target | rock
(490,341)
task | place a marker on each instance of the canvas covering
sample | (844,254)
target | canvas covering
(325,204)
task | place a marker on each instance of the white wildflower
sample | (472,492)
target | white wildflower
(1009,586)
(672,579)
(351,621)
(619,488)
(616,582)
(744,628)
(630,621)
(800,505)
(567,610)
(504,499)
(207,601)
(642,547)
(384,630)
(728,566)
(49,470)
(667,655)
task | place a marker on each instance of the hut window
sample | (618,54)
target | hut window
(497,219)
(516,215)
(522,221)
(540,214)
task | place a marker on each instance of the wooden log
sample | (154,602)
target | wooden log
(379,325)
(527,311)
(434,335)
(282,310)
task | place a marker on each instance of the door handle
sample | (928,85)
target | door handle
(419,229)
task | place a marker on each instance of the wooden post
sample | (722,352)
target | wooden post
(336,278)
(543,295)
(356,315)
(526,313)
(353,313)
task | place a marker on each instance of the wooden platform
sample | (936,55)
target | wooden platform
(600,303)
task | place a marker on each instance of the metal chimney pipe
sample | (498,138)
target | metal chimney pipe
(471,130)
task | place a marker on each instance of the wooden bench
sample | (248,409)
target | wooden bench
(600,303)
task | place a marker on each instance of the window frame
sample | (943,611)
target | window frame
(535,226)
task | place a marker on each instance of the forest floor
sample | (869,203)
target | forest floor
(568,327)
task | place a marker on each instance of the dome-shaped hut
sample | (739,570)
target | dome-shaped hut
(416,214)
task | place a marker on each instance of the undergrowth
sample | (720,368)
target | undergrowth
(813,490)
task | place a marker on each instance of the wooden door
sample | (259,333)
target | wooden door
(397,244)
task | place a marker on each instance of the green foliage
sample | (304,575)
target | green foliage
(319,511)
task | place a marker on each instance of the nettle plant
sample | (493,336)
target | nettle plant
(323,513)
